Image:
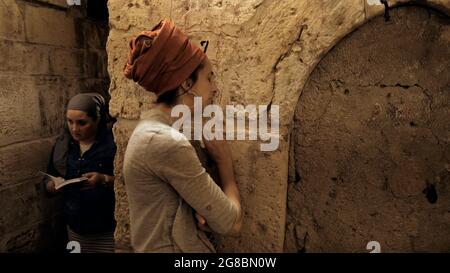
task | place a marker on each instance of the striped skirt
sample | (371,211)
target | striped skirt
(95,243)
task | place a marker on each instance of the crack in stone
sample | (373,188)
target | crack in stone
(259,4)
(424,91)
(406,87)
(280,59)
(429,97)
(316,121)
(439,143)
(381,85)
(430,106)
(289,49)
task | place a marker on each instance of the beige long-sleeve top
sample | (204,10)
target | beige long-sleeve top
(165,183)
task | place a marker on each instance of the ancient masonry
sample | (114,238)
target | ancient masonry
(264,52)
(49,52)
(364,148)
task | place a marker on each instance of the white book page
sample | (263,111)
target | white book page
(61,182)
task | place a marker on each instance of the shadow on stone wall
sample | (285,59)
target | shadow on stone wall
(370,150)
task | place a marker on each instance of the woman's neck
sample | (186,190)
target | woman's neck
(87,142)
(166,109)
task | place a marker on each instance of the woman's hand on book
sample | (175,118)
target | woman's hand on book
(51,186)
(94,179)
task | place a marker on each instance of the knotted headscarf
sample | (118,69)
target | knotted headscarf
(162,59)
(90,103)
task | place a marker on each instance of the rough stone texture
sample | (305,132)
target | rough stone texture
(371,141)
(263,53)
(121,135)
(37,21)
(49,52)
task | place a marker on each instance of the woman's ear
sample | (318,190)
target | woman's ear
(187,84)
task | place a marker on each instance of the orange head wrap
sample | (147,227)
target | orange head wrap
(162,59)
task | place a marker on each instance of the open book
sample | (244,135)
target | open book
(61,182)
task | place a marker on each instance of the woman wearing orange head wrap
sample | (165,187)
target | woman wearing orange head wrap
(172,199)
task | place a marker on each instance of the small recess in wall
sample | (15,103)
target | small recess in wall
(430,193)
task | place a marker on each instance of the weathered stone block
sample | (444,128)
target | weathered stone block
(122,132)
(95,34)
(12,26)
(52,102)
(48,235)
(23,161)
(49,26)
(67,62)
(19,117)
(25,205)
(18,57)
(94,64)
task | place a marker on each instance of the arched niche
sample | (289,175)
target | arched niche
(370,145)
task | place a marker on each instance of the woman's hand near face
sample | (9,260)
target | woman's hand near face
(219,150)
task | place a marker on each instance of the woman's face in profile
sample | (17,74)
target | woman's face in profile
(205,86)
(81,126)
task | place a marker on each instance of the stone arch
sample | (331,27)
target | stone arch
(264,51)
(304,227)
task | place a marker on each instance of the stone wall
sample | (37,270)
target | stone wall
(49,52)
(370,146)
(263,52)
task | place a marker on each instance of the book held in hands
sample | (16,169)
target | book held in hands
(61,182)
